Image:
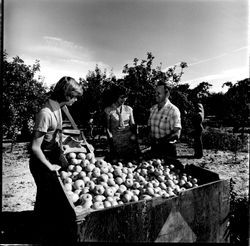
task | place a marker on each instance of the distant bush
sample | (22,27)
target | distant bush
(239,217)
(217,139)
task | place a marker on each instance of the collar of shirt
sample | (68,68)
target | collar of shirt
(164,106)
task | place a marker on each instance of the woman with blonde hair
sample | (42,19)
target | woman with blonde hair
(44,159)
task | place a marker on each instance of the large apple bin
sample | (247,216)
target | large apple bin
(197,214)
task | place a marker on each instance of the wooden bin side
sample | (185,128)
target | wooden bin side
(197,215)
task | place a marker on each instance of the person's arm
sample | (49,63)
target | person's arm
(174,135)
(108,126)
(132,124)
(176,130)
(37,151)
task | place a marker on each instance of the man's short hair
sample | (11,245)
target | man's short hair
(167,85)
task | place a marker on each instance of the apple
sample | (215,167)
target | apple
(114,203)
(79,209)
(156,195)
(119,164)
(73,161)
(130,164)
(85,190)
(110,175)
(182,182)
(150,191)
(123,187)
(118,180)
(129,176)
(89,156)
(81,156)
(90,184)
(104,169)
(125,170)
(78,168)
(170,183)
(99,189)
(111,182)
(144,172)
(136,185)
(107,204)
(63,175)
(118,172)
(149,184)
(184,177)
(128,182)
(74,197)
(151,169)
(156,162)
(68,180)
(104,177)
(134,198)
(87,204)
(71,155)
(78,184)
(136,192)
(96,172)
(85,163)
(85,197)
(157,189)
(165,195)
(158,172)
(98,205)
(109,198)
(163,186)
(145,197)
(71,167)
(82,174)
(68,186)
(74,176)
(194,181)
(90,167)
(171,193)
(85,179)
(171,167)
(189,184)
(177,189)
(98,198)
(90,175)
(155,183)
(126,197)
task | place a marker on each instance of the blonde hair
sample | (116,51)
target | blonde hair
(66,87)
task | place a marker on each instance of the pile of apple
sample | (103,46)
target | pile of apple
(96,184)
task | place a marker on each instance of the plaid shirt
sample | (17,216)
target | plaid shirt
(163,121)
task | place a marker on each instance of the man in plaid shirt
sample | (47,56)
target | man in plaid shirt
(164,122)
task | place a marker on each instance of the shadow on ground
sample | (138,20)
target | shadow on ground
(19,227)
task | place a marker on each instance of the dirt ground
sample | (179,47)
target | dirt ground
(18,187)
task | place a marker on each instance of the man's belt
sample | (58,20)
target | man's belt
(160,141)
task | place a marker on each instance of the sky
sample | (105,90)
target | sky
(71,37)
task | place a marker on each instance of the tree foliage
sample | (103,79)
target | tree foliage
(22,96)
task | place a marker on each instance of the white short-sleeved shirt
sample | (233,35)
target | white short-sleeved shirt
(119,121)
(48,122)
(163,121)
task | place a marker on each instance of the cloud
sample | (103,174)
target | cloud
(58,42)
(217,80)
